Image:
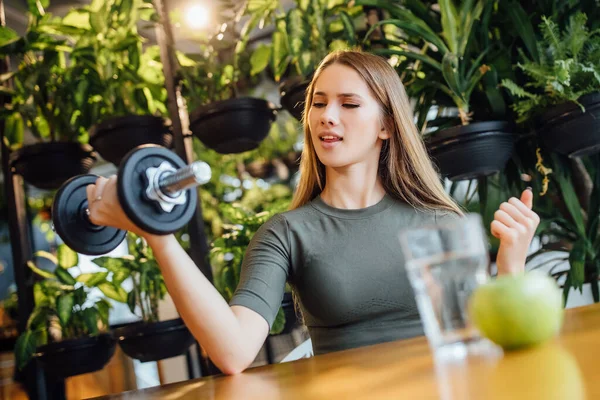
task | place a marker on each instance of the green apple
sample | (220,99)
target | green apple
(516,311)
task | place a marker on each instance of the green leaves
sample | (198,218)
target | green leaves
(66,258)
(561,69)
(577,259)
(113,291)
(103,308)
(142,268)
(279,58)
(40,272)
(14,130)
(450,24)
(64,305)
(26,345)
(447,51)
(568,194)
(302,36)
(98,19)
(451,73)
(298,31)
(260,59)
(7,36)
(416,27)
(522,24)
(36,7)
(78,18)
(92,279)
(132,300)
(90,318)
(64,276)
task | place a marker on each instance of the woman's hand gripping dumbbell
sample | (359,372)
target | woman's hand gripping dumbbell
(154,193)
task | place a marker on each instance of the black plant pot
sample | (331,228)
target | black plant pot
(567,130)
(292,94)
(233,126)
(472,151)
(49,165)
(76,356)
(115,137)
(154,341)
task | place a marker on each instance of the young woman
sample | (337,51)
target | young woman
(365,175)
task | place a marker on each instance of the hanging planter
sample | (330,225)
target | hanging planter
(567,130)
(76,356)
(48,165)
(293,95)
(154,341)
(234,125)
(471,151)
(115,137)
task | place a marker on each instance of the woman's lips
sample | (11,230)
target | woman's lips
(331,142)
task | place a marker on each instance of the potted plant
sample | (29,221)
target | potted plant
(227,254)
(149,339)
(302,37)
(449,64)
(67,329)
(554,79)
(39,102)
(560,91)
(121,84)
(279,154)
(221,119)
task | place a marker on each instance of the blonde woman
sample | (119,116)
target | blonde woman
(365,175)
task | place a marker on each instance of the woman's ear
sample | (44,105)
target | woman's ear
(383,134)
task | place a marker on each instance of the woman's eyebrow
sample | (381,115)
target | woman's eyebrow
(350,95)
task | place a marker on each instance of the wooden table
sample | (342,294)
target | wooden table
(566,368)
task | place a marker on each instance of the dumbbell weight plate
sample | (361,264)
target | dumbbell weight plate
(132,185)
(72,224)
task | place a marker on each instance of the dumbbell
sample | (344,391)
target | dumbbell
(155,189)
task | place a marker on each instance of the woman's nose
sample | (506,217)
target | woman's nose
(329,117)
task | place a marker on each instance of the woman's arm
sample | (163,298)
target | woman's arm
(232,336)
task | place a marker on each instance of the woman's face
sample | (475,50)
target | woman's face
(344,119)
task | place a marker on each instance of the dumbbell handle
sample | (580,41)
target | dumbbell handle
(172,183)
(195,174)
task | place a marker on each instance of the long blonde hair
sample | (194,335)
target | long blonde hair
(405,168)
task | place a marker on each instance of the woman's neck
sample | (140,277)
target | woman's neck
(352,187)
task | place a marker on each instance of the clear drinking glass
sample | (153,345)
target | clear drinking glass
(445,263)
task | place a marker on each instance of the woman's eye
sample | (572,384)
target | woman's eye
(318,105)
(351,105)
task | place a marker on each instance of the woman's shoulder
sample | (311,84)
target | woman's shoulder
(281,221)
(300,213)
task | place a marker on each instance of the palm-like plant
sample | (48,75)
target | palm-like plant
(452,67)
(444,52)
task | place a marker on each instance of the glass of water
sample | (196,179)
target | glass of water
(445,264)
